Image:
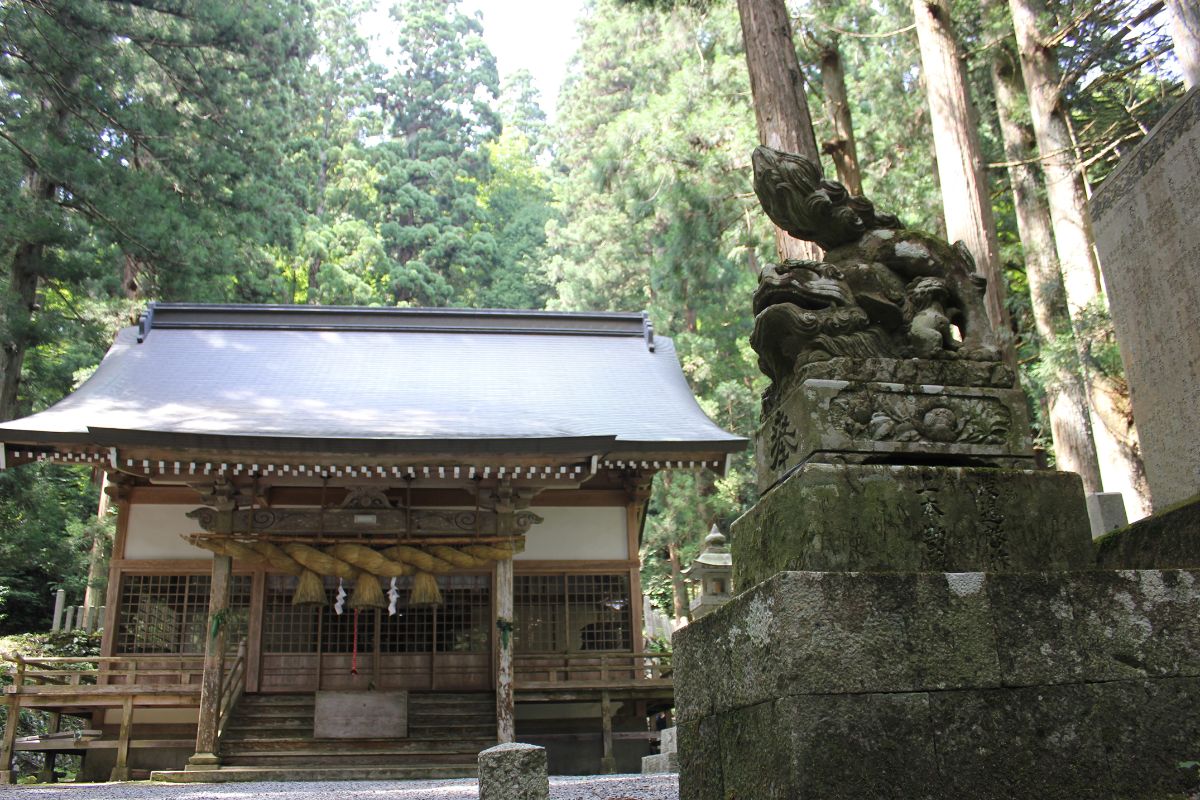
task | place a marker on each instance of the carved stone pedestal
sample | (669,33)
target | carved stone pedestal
(887,410)
(879,517)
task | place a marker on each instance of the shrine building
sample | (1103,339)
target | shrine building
(366,542)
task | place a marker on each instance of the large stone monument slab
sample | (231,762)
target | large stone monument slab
(920,616)
(1144,216)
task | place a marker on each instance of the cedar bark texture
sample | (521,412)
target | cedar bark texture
(968,209)
(1066,393)
(840,147)
(1185,33)
(780,103)
(1112,426)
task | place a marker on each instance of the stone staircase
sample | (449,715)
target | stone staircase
(270,738)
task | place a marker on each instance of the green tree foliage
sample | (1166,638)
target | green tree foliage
(43,516)
(340,255)
(652,152)
(256,151)
(439,117)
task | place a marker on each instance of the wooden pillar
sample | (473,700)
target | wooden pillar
(608,763)
(10,726)
(506,728)
(120,771)
(53,723)
(214,656)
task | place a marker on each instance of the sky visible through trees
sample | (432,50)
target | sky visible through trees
(305,152)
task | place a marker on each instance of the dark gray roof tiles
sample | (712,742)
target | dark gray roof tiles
(420,380)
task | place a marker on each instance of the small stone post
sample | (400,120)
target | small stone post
(69,621)
(513,771)
(60,602)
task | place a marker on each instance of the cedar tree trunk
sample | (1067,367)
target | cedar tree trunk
(840,147)
(968,209)
(678,586)
(1185,33)
(1112,425)
(1066,393)
(780,104)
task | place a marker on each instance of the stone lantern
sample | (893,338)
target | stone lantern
(712,571)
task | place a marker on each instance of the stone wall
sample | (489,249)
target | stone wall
(1167,540)
(943,685)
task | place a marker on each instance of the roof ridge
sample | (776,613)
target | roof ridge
(361,318)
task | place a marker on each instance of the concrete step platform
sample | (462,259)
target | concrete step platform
(301,743)
(334,758)
(355,773)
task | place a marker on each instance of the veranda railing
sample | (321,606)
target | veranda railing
(592,666)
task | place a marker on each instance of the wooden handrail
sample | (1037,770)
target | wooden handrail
(173,657)
(566,666)
(233,684)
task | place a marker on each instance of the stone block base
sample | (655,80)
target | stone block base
(882,517)
(660,762)
(1049,685)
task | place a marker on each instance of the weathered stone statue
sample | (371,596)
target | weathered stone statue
(882,291)
(880,353)
(920,614)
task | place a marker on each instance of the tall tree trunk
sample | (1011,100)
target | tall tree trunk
(780,104)
(24,271)
(97,566)
(1185,33)
(314,264)
(1116,442)
(678,586)
(968,209)
(1066,393)
(840,147)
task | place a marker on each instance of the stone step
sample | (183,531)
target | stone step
(277,699)
(245,721)
(297,744)
(453,731)
(267,732)
(348,773)
(325,758)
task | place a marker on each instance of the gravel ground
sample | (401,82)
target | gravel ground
(606,787)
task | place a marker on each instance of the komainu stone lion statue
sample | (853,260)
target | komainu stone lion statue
(883,291)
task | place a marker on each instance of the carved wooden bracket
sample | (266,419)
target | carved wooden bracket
(371,519)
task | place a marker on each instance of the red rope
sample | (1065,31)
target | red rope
(354,654)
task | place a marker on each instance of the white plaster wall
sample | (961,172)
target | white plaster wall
(154,532)
(567,534)
(575,534)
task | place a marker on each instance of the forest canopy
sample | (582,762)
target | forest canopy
(259,152)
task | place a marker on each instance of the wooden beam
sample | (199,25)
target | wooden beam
(120,771)
(7,776)
(608,762)
(258,590)
(46,774)
(215,634)
(505,704)
(112,598)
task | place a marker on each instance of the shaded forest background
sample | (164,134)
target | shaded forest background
(254,152)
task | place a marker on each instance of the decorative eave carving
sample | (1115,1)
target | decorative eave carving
(336,521)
